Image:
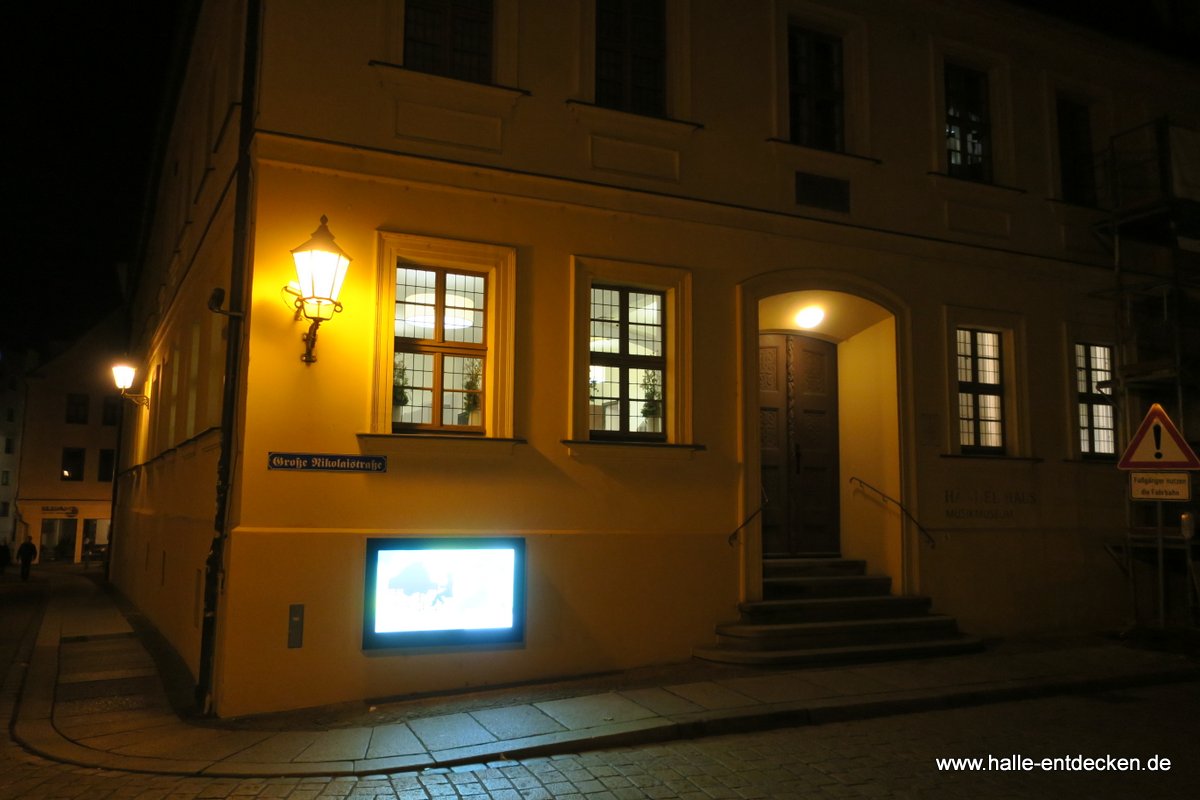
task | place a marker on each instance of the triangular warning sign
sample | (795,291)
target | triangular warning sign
(1158,444)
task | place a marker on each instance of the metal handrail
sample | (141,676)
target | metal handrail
(898,504)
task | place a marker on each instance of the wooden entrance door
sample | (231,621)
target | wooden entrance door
(797,397)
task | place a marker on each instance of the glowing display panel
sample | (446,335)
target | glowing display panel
(423,592)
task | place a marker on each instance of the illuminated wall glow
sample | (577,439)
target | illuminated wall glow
(810,317)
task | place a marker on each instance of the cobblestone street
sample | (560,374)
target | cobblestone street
(885,757)
(889,757)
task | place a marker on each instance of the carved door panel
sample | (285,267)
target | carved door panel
(799,444)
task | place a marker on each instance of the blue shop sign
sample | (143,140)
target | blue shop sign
(326,462)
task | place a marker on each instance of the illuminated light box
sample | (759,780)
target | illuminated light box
(435,591)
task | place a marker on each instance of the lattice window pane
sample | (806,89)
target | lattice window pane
(463,319)
(416,303)
(412,388)
(605,318)
(462,391)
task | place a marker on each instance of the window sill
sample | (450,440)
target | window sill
(993,457)
(950,180)
(402,73)
(833,155)
(1076,206)
(598,448)
(418,444)
(662,125)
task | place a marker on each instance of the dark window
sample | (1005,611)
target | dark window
(72,463)
(980,391)
(8,444)
(968,124)
(626,387)
(452,38)
(111,414)
(440,353)
(1075,159)
(815,95)
(108,463)
(4,478)
(4,508)
(77,408)
(1093,366)
(631,56)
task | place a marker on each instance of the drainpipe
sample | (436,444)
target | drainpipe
(214,564)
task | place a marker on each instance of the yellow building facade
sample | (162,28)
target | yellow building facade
(556,327)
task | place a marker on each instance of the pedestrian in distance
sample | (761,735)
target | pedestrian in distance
(26,553)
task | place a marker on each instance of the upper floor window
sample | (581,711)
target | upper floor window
(4,476)
(1093,366)
(72,463)
(631,56)
(1076,161)
(108,463)
(980,391)
(4,508)
(968,124)
(111,413)
(815,90)
(77,408)
(627,366)
(452,38)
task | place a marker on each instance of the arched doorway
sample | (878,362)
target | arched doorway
(823,404)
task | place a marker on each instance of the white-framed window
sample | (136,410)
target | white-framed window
(635,56)
(627,363)
(1094,398)
(467,40)
(445,341)
(980,370)
(986,395)
(816,89)
(971,89)
(631,352)
(820,77)
(452,38)
(968,122)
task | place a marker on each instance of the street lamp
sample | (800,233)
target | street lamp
(320,269)
(123,378)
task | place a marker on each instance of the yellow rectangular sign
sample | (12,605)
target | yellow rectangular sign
(1169,487)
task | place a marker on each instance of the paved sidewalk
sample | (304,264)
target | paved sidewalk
(93,695)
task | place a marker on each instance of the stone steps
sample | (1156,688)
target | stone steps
(826,611)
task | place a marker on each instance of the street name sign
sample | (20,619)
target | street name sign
(326,462)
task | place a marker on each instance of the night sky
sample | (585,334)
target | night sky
(85,89)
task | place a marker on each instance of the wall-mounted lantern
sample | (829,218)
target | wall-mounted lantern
(320,269)
(123,378)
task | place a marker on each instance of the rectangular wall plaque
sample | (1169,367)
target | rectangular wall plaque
(326,462)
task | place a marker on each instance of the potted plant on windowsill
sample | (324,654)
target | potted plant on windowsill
(651,401)
(472,378)
(400,385)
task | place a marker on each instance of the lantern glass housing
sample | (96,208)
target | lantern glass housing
(123,376)
(320,269)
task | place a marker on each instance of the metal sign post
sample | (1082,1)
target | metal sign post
(1158,450)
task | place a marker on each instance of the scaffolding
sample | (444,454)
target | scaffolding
(1150,186)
